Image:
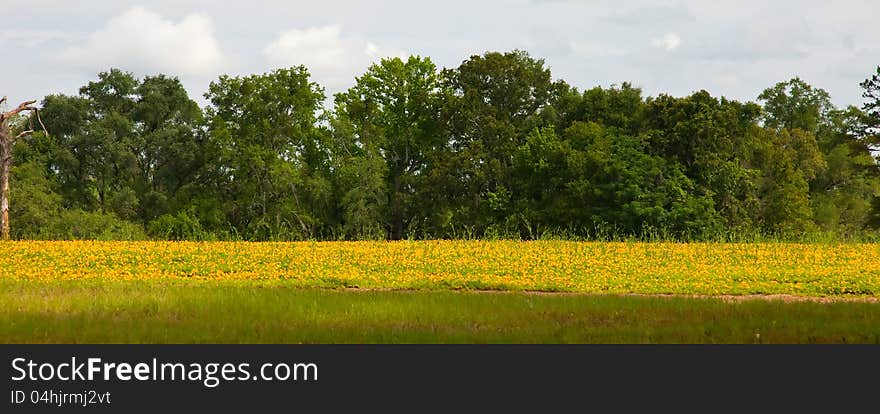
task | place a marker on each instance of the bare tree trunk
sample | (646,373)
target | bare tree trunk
(396,206)
(5,163)
(6,142)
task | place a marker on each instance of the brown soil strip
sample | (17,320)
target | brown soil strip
(779,297)
(726,298)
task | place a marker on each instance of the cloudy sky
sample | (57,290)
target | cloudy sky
(735,49)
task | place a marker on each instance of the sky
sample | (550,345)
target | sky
(733,49)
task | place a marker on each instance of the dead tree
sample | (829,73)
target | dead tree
(7,140)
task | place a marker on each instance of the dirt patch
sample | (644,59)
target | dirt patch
(783,298)
(726,298)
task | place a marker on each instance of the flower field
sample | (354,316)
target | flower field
(552,266)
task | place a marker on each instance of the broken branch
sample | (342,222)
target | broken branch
(45,131)
(23,134)
(25,106)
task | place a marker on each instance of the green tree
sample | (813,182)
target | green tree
(620,107)
(36,205)
(785,191)
(95,157)
(166,146)
(495,101)
(272,157)
(829,149)
(390,115)
(124,146)
(871,93)
(795,104)
(714,143)
(872,102)
(597,178)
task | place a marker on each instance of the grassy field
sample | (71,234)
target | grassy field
(431,292)
(151,312)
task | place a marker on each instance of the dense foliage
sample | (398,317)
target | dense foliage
(493,148)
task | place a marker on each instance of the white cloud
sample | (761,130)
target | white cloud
(371,49)
(33,38)
(142,40)
(585,42)
(592,49)
(669,42)
(728,80)
(652,14)
(333,59)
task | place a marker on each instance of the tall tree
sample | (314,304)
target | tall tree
(872,96)
(124,146)
(496,100)
(713,140)
(871,131)
(872,108)
(8,136)
(392,114)
(597,179)
(110,142)
(621,107)
(795,104)
(166,146)
(829,148)
(790,161)
(272,155)
(67,155)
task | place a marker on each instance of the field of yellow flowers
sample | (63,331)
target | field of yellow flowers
(552,266)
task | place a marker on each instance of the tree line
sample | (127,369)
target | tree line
(493,148)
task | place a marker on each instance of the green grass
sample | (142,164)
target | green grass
(153,312)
